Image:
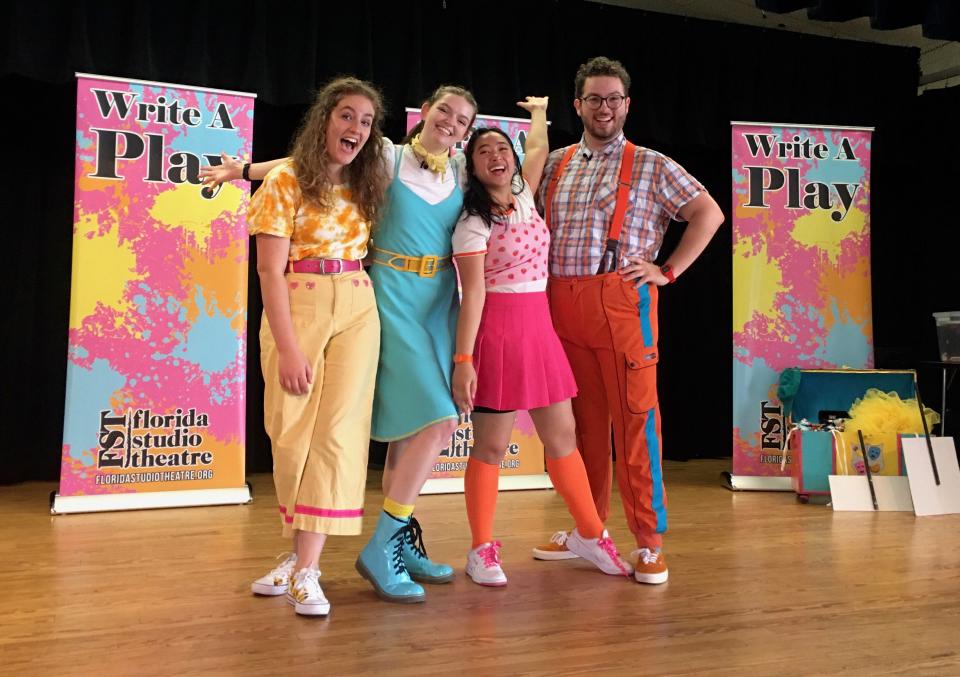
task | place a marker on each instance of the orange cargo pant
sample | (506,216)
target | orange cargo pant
(609,331)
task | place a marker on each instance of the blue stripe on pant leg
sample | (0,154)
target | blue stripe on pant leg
(643,307)
(656,470)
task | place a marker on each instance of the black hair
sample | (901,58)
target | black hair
(476,199)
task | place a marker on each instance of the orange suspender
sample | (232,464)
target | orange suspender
(623,191)
(620,210)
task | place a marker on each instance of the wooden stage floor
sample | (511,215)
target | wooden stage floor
(759,585)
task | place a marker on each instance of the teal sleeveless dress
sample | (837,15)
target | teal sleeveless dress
(418,315)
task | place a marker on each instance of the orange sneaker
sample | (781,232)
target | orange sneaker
(650,566)
(555,549)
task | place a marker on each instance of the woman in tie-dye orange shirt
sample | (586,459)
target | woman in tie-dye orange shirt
(337,231)
(320,335)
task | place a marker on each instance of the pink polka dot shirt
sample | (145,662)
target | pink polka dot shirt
(514,248)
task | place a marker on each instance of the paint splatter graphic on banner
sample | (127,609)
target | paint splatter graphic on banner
(801,271)
(524,452)
(157,353)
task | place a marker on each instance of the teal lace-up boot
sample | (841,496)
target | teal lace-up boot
(381,563)
(415,557)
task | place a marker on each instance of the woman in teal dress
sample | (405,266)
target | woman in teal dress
(416,288)
(418,310)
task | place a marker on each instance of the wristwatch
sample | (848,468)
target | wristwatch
(667,271)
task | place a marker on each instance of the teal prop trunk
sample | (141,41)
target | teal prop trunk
(812,462)
(828,390)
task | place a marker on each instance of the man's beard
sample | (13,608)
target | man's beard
(597,132)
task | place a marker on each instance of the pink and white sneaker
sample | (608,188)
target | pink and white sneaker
(483,565)
(601,552)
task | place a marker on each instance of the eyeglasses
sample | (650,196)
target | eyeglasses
(614,101)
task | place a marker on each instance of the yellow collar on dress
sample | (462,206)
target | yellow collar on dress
(435,162)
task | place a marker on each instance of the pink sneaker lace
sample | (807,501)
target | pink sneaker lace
(490,554)
(606,544)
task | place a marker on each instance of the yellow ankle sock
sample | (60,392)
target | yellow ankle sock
(398,510)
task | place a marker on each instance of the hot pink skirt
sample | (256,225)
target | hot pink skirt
(519,360)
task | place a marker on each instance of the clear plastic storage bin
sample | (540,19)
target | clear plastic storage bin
(948,335)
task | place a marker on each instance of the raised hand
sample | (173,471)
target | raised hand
(532,103)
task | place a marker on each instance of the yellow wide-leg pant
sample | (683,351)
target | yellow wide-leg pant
(320,440)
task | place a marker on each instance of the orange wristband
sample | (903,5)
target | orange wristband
(461,357)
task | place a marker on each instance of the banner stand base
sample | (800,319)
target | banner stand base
(66,505)
(454,485)
(752,483)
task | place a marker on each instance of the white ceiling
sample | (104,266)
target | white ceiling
(939,59)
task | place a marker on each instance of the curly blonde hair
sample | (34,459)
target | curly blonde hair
(366,175)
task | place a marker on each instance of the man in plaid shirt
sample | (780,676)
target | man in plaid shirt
(607,322)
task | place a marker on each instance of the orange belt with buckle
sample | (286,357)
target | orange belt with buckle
(424,266)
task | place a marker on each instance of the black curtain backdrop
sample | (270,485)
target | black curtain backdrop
(690,79)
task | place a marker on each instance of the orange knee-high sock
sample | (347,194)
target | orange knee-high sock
(569,478)
(480,486)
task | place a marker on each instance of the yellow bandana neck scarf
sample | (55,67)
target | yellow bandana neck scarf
(435,162)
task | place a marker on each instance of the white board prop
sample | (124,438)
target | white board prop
(929,498)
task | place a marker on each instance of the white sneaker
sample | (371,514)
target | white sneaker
(601,552)
(277,581)
(483,565)
(305,594)
(555,549)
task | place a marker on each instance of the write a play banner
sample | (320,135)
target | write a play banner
(522,467)
(156,366)
(801,275)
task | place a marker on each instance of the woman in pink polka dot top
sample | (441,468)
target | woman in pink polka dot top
(508,356)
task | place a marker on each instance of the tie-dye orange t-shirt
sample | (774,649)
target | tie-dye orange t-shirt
(278,208)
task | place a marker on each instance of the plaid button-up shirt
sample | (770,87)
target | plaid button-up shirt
(586,195)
